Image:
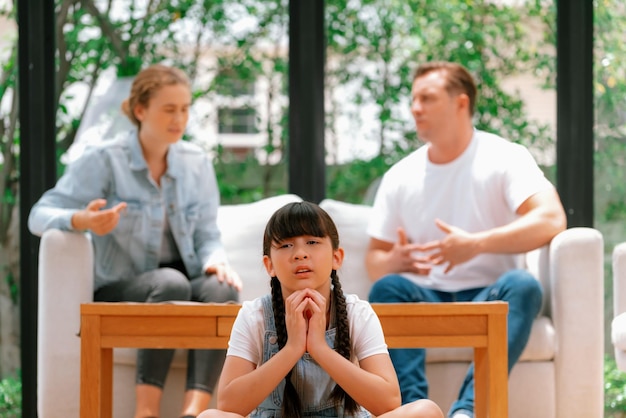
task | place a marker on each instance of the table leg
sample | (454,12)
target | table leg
(498,366)
(90,367)
(106,396)
(481,384)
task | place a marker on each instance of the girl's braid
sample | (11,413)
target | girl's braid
(342,341)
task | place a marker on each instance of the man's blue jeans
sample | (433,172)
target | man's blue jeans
(517,287)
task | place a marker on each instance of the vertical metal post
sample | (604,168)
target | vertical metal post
(36,84)
(575,116)
(307,168)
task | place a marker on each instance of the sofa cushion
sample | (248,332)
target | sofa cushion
(538,264)
(351,221)
(542,343)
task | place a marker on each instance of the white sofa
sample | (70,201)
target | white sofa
(560,373)
(618,325)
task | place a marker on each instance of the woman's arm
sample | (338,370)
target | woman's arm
(84,181)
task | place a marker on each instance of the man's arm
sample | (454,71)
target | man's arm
(541,218)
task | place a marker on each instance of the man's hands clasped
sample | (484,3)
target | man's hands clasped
(456,247)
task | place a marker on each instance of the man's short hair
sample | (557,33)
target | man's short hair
(458,79)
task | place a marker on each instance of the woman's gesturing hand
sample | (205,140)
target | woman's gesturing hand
(97,220)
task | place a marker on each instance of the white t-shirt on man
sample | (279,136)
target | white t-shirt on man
(479,190)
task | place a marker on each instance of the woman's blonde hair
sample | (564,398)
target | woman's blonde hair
(146,83)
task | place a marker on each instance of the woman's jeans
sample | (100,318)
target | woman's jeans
(171,284)
(517,287)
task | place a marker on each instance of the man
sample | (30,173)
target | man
(452,220)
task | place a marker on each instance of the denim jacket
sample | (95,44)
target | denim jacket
(117,171)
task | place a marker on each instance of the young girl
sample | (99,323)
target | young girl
(308,350)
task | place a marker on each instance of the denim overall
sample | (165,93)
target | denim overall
(312,383)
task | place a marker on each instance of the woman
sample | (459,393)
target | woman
(150,201)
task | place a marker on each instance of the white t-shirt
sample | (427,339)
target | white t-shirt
(247,335)
(480,190)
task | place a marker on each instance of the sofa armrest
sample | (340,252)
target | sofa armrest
(577,311)
(618,323)
(619,279)
(65,281)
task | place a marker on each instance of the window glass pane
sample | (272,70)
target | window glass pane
(610,118)
(610,145)
(374,47)
(232,84)
(234,51)
(237,121)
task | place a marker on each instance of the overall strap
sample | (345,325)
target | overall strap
(268,313)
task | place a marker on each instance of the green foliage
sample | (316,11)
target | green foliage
(614,390)
(372,46)
(351,182)
(13,286)
(610,119)
(375,46)
(11,397)
(130,66)
(355,182)
(9,130)
(243,180)
(372,49)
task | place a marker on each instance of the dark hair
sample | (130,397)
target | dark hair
(293,220)
(458,79)
(146,83)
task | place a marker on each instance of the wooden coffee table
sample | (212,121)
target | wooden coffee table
(481,325)
(105,326)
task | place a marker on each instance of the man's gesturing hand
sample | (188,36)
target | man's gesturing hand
(457,247)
